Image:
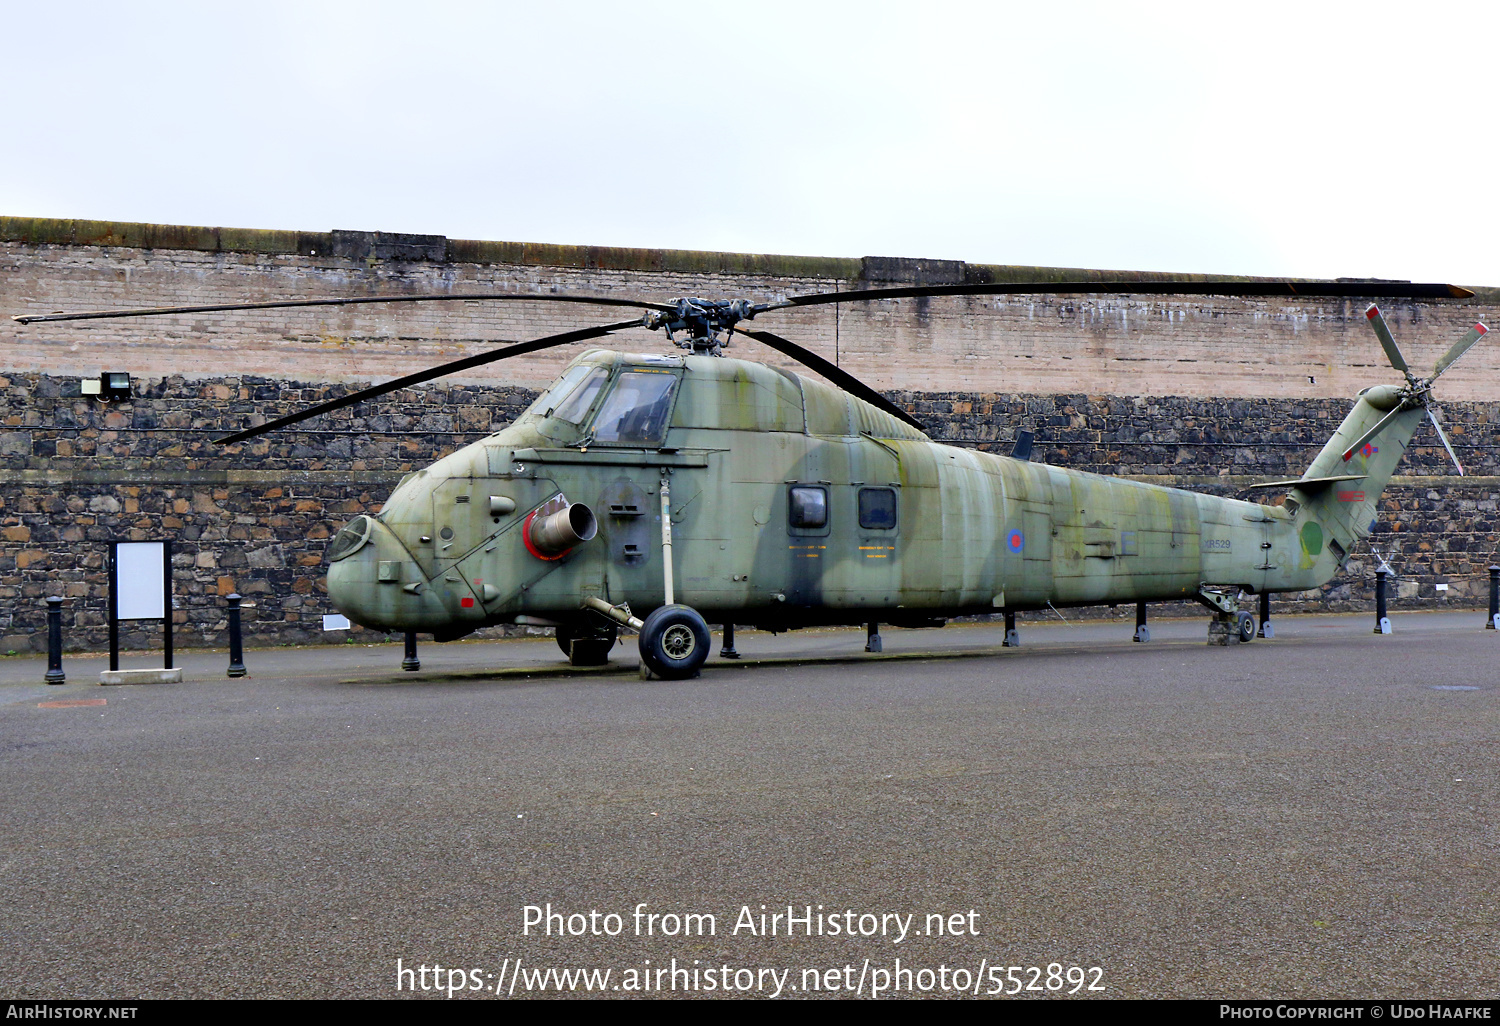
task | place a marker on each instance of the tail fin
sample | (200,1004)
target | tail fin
(1338,494)
(1336,498)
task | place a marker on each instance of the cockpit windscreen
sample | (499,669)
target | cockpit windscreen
(636,412)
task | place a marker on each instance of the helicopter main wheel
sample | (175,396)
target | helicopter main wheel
(674,642)
(586,646)
(1245,626)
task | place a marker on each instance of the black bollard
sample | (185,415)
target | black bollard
(1382,622)
(55,673)
(236,647)
(1493,623)
(411,662)
(729,651)
(1266,630)
(1142,632)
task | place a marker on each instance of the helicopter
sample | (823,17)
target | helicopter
(661,492)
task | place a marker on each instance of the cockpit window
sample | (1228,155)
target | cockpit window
(559,391)
(636,412)
(575,406)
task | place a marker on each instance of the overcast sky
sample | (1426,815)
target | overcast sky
(1277,139)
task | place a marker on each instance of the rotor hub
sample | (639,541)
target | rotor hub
(706,323)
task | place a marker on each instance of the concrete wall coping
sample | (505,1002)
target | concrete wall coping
(372,247)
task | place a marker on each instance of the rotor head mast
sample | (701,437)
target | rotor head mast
(703,321)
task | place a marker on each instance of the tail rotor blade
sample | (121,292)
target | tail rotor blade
(1359,443)
(1432,416)
(1387,341)
(1459,348)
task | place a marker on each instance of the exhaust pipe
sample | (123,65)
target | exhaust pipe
(553,535)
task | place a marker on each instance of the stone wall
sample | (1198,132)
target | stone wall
(76,473)
(1211,393)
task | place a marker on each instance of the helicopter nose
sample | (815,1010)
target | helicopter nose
(374,581)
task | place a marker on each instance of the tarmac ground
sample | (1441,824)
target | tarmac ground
(1309,816)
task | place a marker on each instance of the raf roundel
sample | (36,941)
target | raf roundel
(1015,541)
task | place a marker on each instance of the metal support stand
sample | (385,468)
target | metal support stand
(1266,630)
(1012,636)
(1142,632)
(55,673)
(728,651)
(236,646)
(411,662)
(1221,630)
(872,637)
(1493,623)
(1382,622)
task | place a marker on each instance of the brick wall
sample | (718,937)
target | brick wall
(1120,345)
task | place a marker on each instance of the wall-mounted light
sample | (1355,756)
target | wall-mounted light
(114,386)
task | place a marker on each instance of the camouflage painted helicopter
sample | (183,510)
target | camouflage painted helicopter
(697,488)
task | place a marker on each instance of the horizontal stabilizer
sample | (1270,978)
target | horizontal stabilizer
(1310,485)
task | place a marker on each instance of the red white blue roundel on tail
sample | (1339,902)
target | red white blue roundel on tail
(1015,540)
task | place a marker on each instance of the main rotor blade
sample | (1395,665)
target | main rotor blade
(1387,340)
(848,382)
(467,297)
(1164,287)
(519,349)
(1432,416)
(1379,426)
(1460,347)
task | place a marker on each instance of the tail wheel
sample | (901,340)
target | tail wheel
(1245,625)
(674,642)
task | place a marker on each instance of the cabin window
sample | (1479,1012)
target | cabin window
(807,506)
(576,405)
(636,411)
(877,508)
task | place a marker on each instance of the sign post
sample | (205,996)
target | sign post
(140,588)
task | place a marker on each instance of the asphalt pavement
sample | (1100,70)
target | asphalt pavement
(1307,816)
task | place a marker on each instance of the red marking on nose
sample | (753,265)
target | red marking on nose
(466,603)
(72,703)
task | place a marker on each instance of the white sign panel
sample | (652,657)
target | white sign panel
(141,585)
(335,622)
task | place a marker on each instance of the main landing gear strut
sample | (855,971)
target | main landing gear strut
(674,639)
